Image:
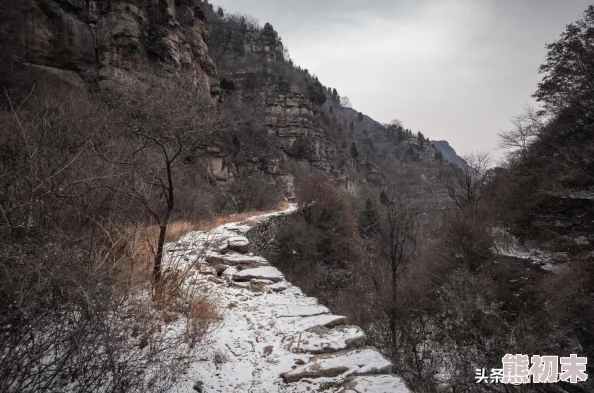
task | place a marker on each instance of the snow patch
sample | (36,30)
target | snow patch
(269,328)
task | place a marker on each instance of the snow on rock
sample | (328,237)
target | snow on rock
(236,259)
(229,273)
(238,243)
(345,363)
(303,310)
(508,245)
(320,339)
(271,333)
(298,324)
(279,286)
(374,383)
(582,241)
(260,273)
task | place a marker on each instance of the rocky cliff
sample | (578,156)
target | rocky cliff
(301,122)
(101,40)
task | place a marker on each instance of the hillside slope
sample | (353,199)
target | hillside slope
(305,120)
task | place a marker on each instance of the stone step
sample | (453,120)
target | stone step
(341,365)
(279,286)
(320,339)
(236,259)
(259,273)
(386,383)
(299,324)
(300,310)
(238,243)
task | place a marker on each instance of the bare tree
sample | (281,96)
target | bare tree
(345,102)
(465,183)
(398,244)
(526,128)
(396,123)
(66,319)
(163,124)
(465,235)
(170,148)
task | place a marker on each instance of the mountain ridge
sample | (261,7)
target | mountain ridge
(227,57)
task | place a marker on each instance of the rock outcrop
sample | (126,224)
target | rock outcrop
(110,40)
(288,116)
(448,152)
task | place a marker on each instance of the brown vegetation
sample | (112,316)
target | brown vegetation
(88,181)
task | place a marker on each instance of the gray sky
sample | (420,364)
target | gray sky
(452,69)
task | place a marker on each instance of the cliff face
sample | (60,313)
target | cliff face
(103,40)
(303,119)
(289,119)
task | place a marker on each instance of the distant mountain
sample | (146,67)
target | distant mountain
(449,154)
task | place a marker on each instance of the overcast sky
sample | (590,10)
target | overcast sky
(452,69)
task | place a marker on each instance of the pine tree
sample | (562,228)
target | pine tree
(439,156)
(354,151)
(384,198)
(368,221)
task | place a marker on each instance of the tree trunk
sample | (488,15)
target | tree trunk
(393,317)
(159,256)
(394,332)
(163,226)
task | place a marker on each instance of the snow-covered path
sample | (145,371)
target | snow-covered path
(272,337)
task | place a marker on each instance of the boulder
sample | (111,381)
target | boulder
(199,387)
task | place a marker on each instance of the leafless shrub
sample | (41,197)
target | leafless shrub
(201,315)
(466,232)
(253,193)
(72,314)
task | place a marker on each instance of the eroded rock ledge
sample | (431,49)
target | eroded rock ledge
(100,40)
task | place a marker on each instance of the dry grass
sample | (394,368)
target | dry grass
(142,240)
(177,229)
(168,293)
(259,286)
(201,315)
